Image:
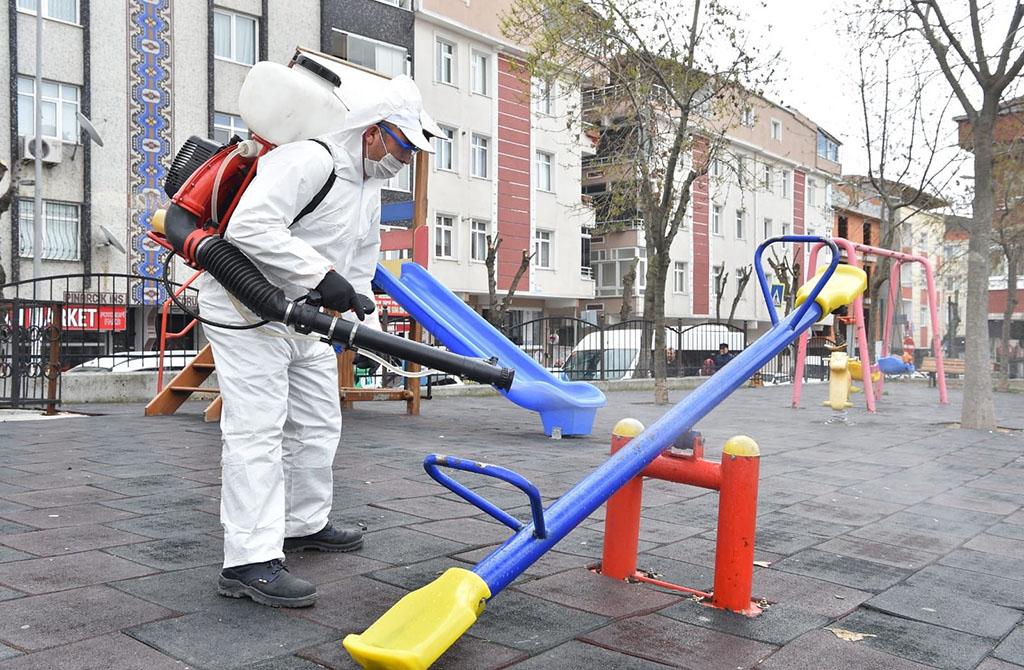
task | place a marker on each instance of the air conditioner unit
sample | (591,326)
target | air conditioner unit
(52,151)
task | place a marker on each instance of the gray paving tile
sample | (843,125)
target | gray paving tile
(113,651)
(658,638)
(61,517)
(59,573)
(878,552)
(591,592)
(172,524)
(821,650)
(402,545)
(59,541)
(979,561)
(1001,546)
(520,621)
(185,591)
(580,656)
(994,589)
(946,608)
(219,640)
(916,641)
(813,595)
(52,619)
(852,572)
(158,504)
(1012,648)
(777,625)
(7,652)
(71,495)
(175,553)
(995,664)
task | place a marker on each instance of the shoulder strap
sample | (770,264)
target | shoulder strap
(324,190)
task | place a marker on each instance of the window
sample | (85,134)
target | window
(716,272)
(385,58)
(586,270)
(234,37)
(542,248)
(785,229)
(543,171)
(716,219)
(812,186)
(478,73)
(543,92)
(741,217)
(401,181)
(61,233)
(716,167)
(444,232)
(444,62)
(767,228)
(766,177)
(681,275)
(444,149)
(401,4)
(478,240)
(776,130)
(478,157)
(61,10)
(226,126)
(827,147)
(59,103)
(747,115)
(741,168)
(785,183)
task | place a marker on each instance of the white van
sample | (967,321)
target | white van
(621,350)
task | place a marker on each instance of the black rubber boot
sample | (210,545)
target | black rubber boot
(328,539)
(266,583)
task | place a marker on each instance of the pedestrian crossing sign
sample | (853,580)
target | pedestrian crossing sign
(778,292)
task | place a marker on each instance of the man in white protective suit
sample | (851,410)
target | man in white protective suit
(281,419)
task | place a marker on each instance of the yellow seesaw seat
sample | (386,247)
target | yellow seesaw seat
(422,625)
(843,287)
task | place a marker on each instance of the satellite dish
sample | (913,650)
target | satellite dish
(89,128)
(108,239)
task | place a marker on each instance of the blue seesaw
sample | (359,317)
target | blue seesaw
(423,624)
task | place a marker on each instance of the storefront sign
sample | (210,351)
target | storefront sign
(95,317)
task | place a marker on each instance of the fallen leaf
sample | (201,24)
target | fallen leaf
(849,635)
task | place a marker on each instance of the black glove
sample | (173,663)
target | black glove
(337,294)
(368,304)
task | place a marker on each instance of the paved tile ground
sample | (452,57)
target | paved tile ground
(901,528)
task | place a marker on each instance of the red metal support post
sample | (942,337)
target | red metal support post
(737,521)
(622,514)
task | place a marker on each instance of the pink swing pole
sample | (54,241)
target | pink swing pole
(859,330)
(851,249)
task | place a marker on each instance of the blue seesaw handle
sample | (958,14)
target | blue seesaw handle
(434,462)
(817,287)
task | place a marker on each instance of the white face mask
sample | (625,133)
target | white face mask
(386,168)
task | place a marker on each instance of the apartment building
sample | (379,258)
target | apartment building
(507,168)
(773,175)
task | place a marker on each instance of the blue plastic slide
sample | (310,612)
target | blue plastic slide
(567,406)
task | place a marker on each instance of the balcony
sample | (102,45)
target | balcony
(586,272)
(635,223)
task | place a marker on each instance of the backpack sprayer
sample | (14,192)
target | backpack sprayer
(205,183)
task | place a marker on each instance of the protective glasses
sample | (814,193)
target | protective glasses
(404,145)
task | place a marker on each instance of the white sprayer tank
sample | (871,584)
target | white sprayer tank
(285,104)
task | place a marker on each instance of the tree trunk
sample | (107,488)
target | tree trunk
(978,408)
(628,282)
(744,276)
(660,387)
(1012,261)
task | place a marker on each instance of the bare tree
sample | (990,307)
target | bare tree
(654,77)
(974,71)
(1008,236)
(902,136)
(628,282)
(721,280)
(6,198)
(743,274)
(498,309)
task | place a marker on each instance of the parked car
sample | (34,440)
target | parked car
(137,361)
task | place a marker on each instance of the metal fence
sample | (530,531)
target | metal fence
(51,325)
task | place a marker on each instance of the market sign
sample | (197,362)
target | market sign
(389,303)
(95,317)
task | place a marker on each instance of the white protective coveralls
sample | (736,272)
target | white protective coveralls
(281,419)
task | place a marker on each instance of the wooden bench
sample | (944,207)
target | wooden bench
(951,366)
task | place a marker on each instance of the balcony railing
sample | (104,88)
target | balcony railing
(586,272)
(635,223)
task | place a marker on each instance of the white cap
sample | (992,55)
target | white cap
(409,116)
